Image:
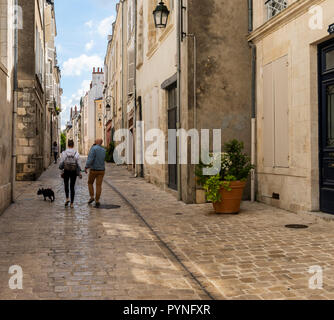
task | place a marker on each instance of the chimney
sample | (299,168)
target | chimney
(94,70)
(76,109)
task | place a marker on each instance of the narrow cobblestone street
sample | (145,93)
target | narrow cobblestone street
(154,247)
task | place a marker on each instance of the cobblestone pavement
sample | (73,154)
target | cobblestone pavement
(154,247)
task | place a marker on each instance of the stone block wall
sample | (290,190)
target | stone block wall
(28,136)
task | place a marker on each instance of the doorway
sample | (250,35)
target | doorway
(172,121)
(326,126)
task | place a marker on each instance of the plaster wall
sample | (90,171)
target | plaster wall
(6,104)
(223,86)
(156,62)
(289,34)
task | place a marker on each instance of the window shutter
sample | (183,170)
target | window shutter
(268,116)
(281,113)
(131,71)
(276,114)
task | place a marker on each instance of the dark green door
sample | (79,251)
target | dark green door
(326,122)
(172,121)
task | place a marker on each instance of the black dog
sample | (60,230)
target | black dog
(47,193)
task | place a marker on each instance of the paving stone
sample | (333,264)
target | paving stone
(85,253)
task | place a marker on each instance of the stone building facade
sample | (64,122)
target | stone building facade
(115,90)
(38,89)
(220,95)
(172,90)
(53,91)
(155,63)
(31,96)
(295,104)
(6,103)
(99,118)
(89,108)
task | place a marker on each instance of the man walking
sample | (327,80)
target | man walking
(96,164)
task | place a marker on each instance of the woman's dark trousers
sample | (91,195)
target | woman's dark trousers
(70,178)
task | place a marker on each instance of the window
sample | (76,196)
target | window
(276,114)
(140,40)
(131,69)
(330,116)
(330,60)
(130,18)
(274,7)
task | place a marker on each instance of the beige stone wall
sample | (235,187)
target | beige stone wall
(223,84)
(6,105)
(116,63)
(289,34)
(99,116)
(156,62)
(29,135)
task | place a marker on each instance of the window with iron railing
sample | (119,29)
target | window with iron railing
(274,7)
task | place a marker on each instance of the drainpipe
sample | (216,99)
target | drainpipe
(178,39)
(135,87)
(250,15)
(194,77)
(253,121)
(15,102)
(122,1)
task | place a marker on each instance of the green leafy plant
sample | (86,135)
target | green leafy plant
(212,187)
(63,141)
(235,166)
(110,152)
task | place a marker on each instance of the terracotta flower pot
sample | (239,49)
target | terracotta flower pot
(231,200)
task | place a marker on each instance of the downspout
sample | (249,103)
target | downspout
(178,39)
(194,77)
(135,88)
(15,102)
(253,123)
(250,16)
(122,1)
(253,120)
(141,140)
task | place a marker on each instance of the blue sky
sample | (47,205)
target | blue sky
(83,27)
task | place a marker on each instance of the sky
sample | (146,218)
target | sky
(83,27)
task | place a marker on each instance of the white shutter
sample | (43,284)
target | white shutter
(281,112)
(131,71)
(276,114)
(268,116)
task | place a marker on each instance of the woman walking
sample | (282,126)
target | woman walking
(70,164)
(55,151)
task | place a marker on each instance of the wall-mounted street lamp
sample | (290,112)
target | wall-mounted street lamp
(160,15)
(108,102)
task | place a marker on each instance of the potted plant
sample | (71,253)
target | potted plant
(225,189)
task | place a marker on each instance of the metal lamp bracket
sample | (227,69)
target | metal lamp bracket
(183,8)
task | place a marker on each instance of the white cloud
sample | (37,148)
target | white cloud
(89,45)
(105,26)
(75,66)
(89,24)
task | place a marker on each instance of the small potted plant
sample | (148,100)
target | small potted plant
(225,189)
